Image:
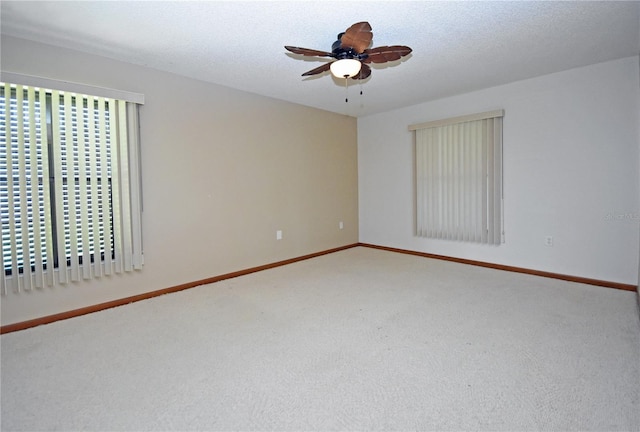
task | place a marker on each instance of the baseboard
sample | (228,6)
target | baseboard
(602,283)
(121,302)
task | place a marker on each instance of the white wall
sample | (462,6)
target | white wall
(570,171)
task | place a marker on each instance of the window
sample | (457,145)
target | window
(69,187)
(459,178)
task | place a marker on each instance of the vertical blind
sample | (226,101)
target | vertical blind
(69,187)
(459,178)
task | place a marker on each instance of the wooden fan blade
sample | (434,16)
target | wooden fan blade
(365,71)
(358,37)
(325,67)
(308,52)
(385,54)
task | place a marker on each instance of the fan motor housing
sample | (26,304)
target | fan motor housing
(345,53)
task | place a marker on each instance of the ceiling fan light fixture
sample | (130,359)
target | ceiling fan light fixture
(352,54)
(345,68)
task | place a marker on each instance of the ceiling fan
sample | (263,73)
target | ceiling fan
(352,53)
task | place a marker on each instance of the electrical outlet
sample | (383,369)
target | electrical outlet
(279,235)
(341,225)
(548,241)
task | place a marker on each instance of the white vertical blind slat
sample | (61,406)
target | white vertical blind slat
(34,192)
(92,154)
(460,230)
(104,182)
(432,190)
(449,183)
(11,223)
(4,281)
(498,198)
(84,143)
(495,177)
(115,190)
(431,210)
(72,202)
(439,196)
(425,211)
(485,180)
(135,186)
(480,183)
(20,222)
(59,190)
(49,277)
(420,185)
(444,184)
(25,196)
(123,178)
(469,186)
(31,194)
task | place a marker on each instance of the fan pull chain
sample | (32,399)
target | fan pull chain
(346,89)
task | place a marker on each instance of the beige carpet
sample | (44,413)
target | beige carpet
(356,340)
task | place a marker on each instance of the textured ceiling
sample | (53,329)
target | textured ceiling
(457,46)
